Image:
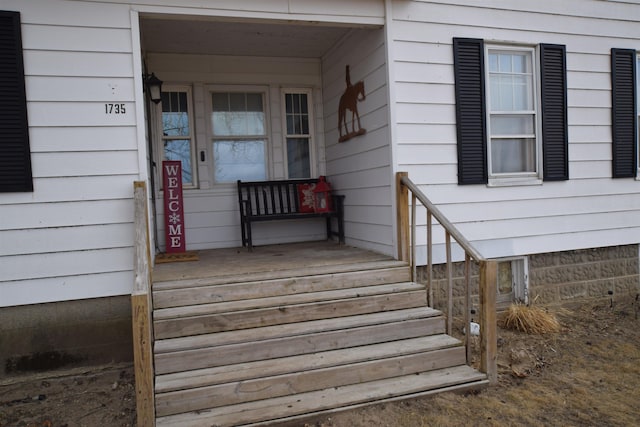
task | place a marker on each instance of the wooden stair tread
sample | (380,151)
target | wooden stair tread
(322,400)
(301,382)
(279,274)
(175,297)
(195,325)
(290,329)
(299,363)
(283,300)
(304,344)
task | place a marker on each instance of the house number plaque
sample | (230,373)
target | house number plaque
(115,108)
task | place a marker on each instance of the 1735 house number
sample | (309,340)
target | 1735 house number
(114,109)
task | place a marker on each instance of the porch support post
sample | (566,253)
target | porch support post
(141,311)
(402,209)
(488,324)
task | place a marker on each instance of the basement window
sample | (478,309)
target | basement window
(512,282)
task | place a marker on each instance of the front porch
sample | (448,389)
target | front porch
(294,330)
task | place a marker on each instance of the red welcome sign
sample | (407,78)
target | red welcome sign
(173,206)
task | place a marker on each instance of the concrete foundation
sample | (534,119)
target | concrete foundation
(71,333)
(555,277)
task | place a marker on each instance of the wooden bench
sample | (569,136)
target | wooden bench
(280,200)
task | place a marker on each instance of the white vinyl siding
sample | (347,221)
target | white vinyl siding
(361,168)
(79,55)
(590,209)
(70,238)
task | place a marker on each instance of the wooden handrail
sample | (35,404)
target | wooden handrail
(142,311)
(446,224)
(488,269)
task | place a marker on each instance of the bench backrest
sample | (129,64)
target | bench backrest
(276,197)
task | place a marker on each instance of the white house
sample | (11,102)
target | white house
(519,120)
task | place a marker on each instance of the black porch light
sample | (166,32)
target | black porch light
(154,87)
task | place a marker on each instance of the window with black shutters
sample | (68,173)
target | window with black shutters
(15,157)
(507,134)
(623,113)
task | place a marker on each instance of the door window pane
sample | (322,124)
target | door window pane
(177,138)
(180,149)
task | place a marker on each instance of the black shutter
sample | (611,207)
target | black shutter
(468,57)
(15,157)
(624,114)
(555,141)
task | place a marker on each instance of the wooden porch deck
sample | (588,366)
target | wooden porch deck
(267,260)
(291,331)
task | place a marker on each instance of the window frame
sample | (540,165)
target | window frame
(211,137)
(512,178)
(169,87)
(470,108)
(310,136)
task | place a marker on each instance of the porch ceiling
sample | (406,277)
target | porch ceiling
(238,38)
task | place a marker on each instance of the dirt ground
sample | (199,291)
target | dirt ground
(586,375)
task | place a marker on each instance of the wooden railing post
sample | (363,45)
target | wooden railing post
(488,325)
(141,311)
(402,209)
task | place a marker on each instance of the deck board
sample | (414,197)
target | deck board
(290,330)
(275,259)
(316,401)
(299,363)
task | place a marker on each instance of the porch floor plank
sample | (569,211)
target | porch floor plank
(274,261)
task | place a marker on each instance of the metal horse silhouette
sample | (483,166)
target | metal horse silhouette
(349,101)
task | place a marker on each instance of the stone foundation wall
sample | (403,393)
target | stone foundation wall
(43,337)
(587,273)
(554,277)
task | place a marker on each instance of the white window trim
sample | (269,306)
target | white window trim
(159,155)
(524,178)
(285,135)
(264,90)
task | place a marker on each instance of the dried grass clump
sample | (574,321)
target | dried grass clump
(531,320)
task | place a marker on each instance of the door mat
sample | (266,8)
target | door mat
(177,257)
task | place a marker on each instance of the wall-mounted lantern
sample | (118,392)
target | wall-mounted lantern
(154,87)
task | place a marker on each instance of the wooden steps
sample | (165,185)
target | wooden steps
(278,345)
(326,400)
